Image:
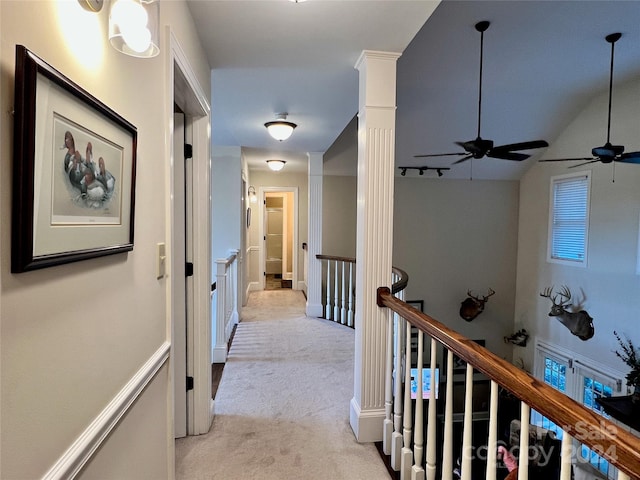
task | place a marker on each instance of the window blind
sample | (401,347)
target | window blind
(570,218)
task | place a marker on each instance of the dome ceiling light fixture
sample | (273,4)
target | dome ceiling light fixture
(276,165)
(280,129)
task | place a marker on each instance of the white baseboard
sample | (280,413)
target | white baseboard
(366,425)
(302,285)
(81,451)
(219,354)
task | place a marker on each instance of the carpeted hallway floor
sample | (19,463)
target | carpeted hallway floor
(282,408)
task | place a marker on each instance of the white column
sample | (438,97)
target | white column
(314,246)
(376,148)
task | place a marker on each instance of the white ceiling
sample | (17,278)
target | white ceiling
(542,61)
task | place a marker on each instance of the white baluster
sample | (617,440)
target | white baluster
(396,438)
(417,472)
(492,444)
(447,448)
(566,451)
(406,462)
(387,426)
(431,422)
(336,298)
(327,303)
(523,459)
(467,447)
(343,305)
(350,294)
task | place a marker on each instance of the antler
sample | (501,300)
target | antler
(491,292)
(564,292)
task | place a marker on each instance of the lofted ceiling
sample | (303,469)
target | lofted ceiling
(543,60)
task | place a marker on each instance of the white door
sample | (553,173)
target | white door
(178,267)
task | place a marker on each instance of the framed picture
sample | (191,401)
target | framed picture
(459,365)
(73,173)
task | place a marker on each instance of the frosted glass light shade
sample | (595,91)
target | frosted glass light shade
(133,27)
(276,165)
(280,129)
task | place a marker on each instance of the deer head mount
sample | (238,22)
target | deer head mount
(579,323)
(473,306)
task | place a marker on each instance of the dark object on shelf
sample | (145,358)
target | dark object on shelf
(622,409)
(519,338)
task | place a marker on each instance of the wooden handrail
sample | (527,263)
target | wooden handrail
(618,446)
(398,286)
(335,258)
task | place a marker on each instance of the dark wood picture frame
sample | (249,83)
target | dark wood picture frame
(50,225)
(459,365)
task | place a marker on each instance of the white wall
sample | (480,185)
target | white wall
(66,355)
(226,200)
(339,215)
(609,284)
(454,235)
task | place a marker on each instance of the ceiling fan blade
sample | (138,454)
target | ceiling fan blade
(521,146)
(462,159)
(568,159)
(631,157)
(439,154)
(585,163)
(508,155)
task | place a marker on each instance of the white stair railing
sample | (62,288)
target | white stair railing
(454,448)
(338,293)
(226,308)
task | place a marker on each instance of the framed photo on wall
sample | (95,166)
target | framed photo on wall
(74,171)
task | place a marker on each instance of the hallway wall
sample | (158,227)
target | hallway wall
(73,336)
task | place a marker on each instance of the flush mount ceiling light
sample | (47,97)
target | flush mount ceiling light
(276,165)
(133,27)
(280,129)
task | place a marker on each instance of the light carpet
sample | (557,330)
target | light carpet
(282,408)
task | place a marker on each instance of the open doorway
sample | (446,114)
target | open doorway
(279,225)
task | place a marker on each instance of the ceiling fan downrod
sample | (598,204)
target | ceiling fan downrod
(481,27)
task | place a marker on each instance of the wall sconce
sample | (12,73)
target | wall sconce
(276,165)
(253,198)
(280,129)
(133,27)
(91,5)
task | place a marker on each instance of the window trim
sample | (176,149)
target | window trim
(563,261)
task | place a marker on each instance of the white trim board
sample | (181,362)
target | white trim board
(81,451)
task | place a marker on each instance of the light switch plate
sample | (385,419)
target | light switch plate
(161,261)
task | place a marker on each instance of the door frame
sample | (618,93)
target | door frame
(183,89)
(262,217)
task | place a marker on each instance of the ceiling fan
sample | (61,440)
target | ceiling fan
(607,153)
(481,147)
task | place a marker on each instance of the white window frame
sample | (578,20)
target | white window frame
(579,366)
(562,178)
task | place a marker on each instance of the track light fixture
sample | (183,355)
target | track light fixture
(280,129)
(421,170)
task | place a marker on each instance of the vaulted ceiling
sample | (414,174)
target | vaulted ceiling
(543,60)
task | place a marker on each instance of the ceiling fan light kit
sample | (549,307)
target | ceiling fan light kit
(607,153)
(481,147)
